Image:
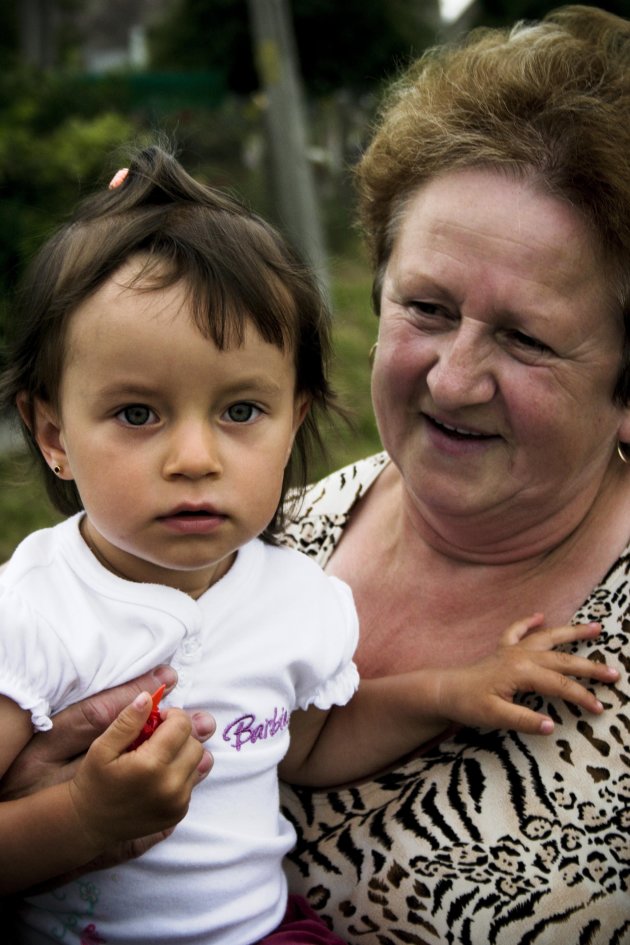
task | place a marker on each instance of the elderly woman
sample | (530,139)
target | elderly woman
(495,197)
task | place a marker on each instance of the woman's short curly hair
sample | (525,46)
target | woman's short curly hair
(549,100)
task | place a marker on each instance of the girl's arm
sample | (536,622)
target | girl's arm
(114,796)
(389,717)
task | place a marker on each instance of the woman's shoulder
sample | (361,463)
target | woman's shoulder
(338,492)
(316,520)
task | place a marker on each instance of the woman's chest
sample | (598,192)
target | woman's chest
(419,614)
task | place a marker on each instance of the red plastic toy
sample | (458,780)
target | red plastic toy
(152,722)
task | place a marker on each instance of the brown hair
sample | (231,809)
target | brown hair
(235,266)
(549,100)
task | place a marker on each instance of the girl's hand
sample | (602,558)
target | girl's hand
(482,694)
(121,795)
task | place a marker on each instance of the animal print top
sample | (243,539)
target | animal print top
(488,837)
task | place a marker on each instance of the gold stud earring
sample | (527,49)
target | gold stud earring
(57,470)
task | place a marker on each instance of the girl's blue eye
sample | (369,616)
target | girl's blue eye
(136,415)
(242,413)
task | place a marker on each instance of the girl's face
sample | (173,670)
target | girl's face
(499,347)
(178,449)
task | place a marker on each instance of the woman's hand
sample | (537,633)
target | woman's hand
(482,694)
(53,757)
(116,795)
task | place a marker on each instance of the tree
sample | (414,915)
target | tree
(351,46)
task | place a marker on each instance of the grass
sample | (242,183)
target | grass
(23,502)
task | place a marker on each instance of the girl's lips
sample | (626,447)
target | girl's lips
(192,521)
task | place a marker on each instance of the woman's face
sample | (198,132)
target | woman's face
(499,347)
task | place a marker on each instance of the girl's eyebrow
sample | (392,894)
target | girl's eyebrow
(128,389)
(262,383)
(258,383)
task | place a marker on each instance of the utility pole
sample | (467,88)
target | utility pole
(37,22)
(276,63)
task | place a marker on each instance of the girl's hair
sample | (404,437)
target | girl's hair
(548,100)
(236,268)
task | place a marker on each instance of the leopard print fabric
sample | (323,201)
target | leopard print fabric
(489,837)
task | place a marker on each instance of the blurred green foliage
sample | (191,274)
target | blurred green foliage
(54,132)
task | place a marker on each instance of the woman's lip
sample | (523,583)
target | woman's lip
(457,431)
(456,441)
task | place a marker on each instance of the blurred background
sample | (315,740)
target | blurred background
(271,99)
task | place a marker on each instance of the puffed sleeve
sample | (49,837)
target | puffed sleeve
(336,642)
(31,671)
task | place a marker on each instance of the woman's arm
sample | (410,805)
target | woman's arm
(115,795)
(391,716)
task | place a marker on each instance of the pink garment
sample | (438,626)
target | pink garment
(301,926)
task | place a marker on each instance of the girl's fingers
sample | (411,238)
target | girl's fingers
(547,682)
(172,736)
(525,666)
(124,729)
(551,637)
(520,628)
(570,665)
(521,719)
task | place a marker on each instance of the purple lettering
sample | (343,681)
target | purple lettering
(246,729)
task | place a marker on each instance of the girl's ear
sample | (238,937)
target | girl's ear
(301,408)
(43,422)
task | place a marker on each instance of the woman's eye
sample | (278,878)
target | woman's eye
(136,415)
(526,341)
(427,308)
(431,315)
(242,413)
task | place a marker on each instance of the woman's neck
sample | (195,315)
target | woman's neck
(527,534)
(430,597)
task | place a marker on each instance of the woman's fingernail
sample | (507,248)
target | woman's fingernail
(165,675)
(204,724)
(142,700)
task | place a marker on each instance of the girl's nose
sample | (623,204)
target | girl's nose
(462,374)
(193,452)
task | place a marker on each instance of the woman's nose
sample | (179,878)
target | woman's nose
(193,452)
(462,373)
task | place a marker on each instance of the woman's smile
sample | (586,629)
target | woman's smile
(457,441)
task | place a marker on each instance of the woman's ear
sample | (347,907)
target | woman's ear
(43,422)
(624,428)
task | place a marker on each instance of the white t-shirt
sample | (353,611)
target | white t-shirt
(274,634)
